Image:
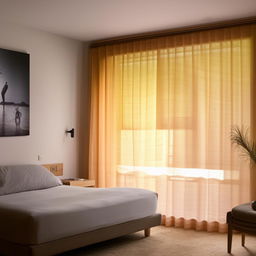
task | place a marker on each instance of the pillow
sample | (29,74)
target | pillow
(19,178)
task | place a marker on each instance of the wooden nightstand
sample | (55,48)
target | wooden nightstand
(79,182)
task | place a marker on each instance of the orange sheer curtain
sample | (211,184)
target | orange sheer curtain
(161,114)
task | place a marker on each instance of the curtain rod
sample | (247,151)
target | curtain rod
(174,31)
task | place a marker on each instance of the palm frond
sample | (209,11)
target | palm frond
(240,138)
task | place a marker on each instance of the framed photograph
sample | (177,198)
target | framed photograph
(14,93)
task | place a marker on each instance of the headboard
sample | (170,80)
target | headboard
(56,169)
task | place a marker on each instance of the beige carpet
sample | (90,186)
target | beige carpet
(170,241)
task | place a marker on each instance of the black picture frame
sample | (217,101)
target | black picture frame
(14,93)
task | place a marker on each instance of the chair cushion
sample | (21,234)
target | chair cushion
(244,212)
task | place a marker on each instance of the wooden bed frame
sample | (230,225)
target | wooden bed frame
(80,240)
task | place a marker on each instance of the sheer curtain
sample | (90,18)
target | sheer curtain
(161,115)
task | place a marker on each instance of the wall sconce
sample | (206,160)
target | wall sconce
(72,132)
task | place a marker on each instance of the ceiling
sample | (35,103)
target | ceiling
(89,20)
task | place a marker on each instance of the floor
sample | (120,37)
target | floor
(169,241)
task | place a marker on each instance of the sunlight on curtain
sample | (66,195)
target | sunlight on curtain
(161,114)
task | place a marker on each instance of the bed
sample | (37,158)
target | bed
(40,216)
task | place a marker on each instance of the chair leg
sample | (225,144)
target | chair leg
(147,232)
(243,239)
(230,234)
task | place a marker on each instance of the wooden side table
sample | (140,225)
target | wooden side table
(79,182)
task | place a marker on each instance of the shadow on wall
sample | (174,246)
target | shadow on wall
(83,106)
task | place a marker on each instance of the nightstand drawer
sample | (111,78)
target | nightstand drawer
(79,182)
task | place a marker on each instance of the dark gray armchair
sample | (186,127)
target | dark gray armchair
(242,218)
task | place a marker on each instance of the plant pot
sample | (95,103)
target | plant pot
(253,205)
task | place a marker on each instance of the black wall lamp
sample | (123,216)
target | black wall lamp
(72,132)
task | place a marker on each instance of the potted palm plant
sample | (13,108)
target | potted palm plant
(240,138)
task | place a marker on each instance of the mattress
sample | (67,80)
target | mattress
(39,216)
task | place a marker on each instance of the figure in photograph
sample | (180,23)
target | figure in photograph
(4,90)
(18,116)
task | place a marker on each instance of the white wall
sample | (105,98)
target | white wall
(56,74)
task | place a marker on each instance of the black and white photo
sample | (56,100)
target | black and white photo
(14,98)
